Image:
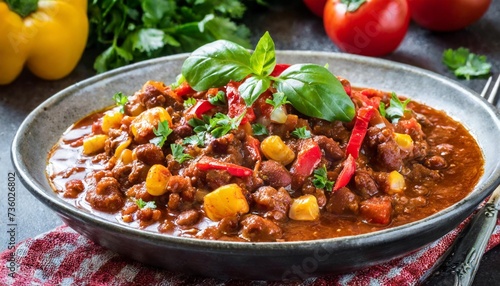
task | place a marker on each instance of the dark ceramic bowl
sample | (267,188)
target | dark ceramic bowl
(288,260)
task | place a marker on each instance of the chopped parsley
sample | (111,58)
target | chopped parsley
(259,129)
(218,125)
(395,110)
(321,181)
(178,153)
(463,63)
(197,139)
(161,133)
(189,102)
(120,100)
(142,204)
(279,99)
(218,99)
(301,133)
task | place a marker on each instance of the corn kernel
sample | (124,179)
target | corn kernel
(126,156)
(111,120)
(157,180)
(395,182)
(304,208)
(121,147)
(225,201)
(274,148)
(145,122)
(94,144)
(404,141)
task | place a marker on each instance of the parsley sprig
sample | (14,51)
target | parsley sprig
(321,181)
(120,100)
(218,125)
(218,99)
(161,133)
(395,110)
(463,63)
(301,133)
(279,99)
(178,153)
(259,129)
(142,204)
(188,102)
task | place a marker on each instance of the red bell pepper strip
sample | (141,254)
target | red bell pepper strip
(346,173)
(236,105)
(207,163)
(201,107)
(253,146)
(278,69)
(307,159)
(363,117)
(346,85)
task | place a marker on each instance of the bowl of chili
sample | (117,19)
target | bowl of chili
(263,259)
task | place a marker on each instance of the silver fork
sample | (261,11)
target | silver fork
(492,96)
(461,262)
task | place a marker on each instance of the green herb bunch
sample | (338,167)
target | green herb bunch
(128,31)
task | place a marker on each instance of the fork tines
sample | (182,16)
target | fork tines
(492,96)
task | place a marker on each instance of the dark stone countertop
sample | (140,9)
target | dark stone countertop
(292,27)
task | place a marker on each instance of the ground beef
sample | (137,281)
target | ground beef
(330,148)
(188,217)
(73,188)
(256,228)
(365,184)
(275,203)
(150,154)
(138,173)
(106,195)
(343,202)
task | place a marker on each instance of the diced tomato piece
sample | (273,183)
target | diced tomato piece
(376,210)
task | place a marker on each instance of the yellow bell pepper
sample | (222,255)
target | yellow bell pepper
(49,40)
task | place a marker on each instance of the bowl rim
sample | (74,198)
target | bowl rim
(391,233)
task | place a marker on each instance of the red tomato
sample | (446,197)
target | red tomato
(447,15)
(375,28)
(316,6)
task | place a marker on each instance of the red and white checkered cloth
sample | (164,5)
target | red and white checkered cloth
(64,257)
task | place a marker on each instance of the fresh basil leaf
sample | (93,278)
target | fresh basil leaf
(263,58)
(252,88)
(215,64)
(315,91)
